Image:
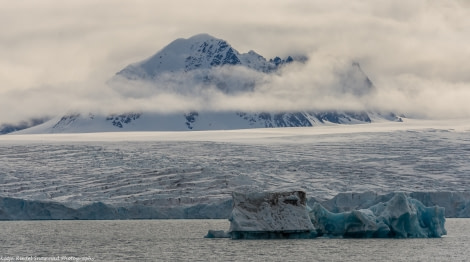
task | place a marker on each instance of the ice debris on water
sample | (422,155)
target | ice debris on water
(266,215)
(218,234)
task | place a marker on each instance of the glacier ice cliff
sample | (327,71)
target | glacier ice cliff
(285,215)
(456,204)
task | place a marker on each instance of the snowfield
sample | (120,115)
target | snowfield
(192,174)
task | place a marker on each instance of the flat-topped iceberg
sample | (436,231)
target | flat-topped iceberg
(270,215)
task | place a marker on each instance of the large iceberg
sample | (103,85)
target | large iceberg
(270,215)
(400,217)
(456,204)
(285,215)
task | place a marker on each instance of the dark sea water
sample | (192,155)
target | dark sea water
(182,240)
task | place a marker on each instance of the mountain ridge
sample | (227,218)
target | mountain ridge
(196,58)
(201,51)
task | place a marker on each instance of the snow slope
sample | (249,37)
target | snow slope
(86,123)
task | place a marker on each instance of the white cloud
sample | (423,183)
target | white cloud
(57,55)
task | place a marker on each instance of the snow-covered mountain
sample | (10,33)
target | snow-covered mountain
(9,128)
(199,52)
(196,58)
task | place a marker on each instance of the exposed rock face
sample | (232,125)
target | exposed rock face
(198,52)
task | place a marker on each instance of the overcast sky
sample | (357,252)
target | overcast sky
(57,55)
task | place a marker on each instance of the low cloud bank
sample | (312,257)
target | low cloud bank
(57,56)
(322,83)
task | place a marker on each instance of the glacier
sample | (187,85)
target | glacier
(192,174)
(268,215)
